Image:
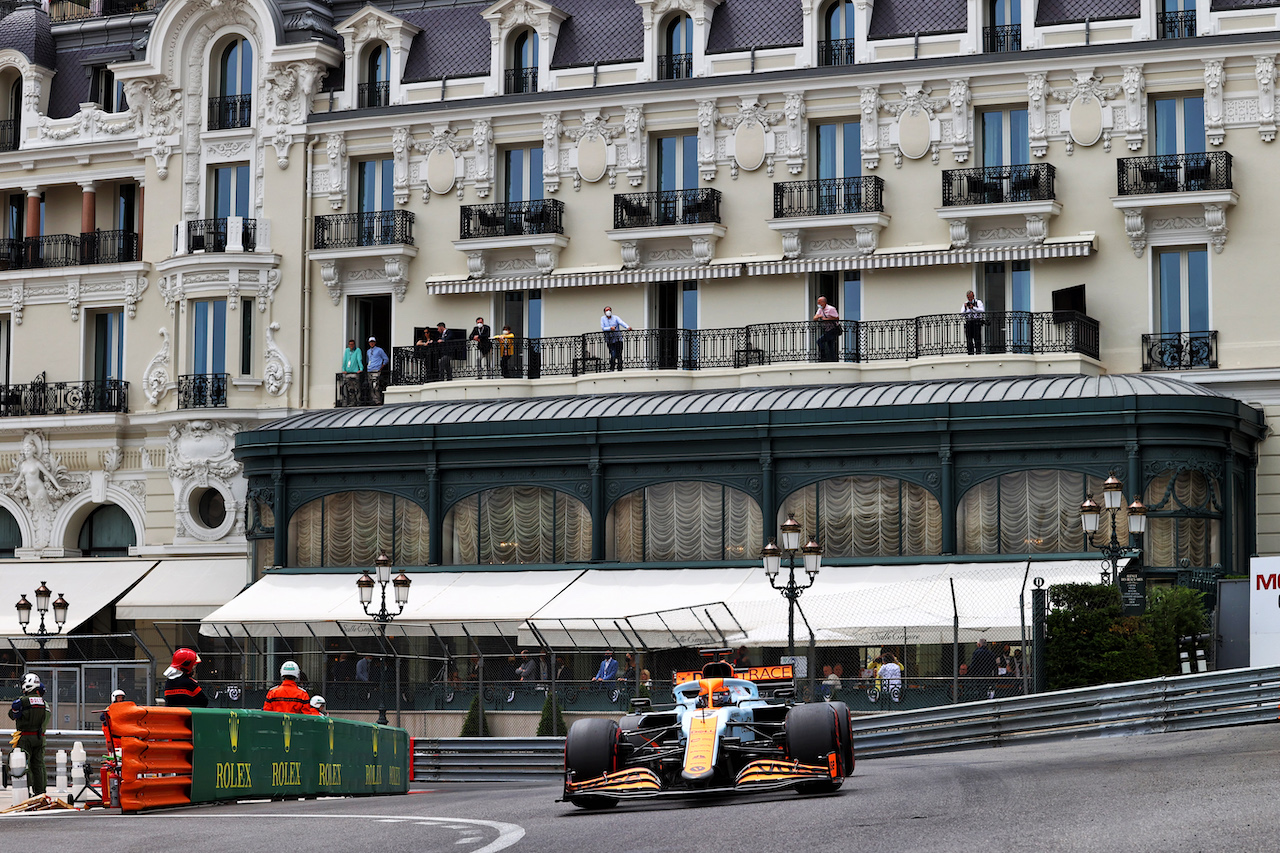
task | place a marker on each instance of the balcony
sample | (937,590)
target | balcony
(836,52)
(9,137)
(512,219)
(519,81)
(203,390)
(229,234)
(1176,25)
(376,94)
(354,389)
(1174,173)
(51,251)
(998,185)
(1006,38)
(61,11)
(1180,351)
(669,207)
(831,205)
(939,335)
(675,66)
(42,397)
(230,112)
(126,7)
(371,228)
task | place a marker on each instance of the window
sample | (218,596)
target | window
(374,185)
(127,207)
(522,76)
(1182,290)
(230,191)
(353,528)
(108,345)
(10,534)
(839,150)
(522,174)
(246,337)
(107,92)
(517,524)
(1003,32)
(684,520)
(1006,287)
(1176,19)
(677,162)
(1178,126)
(208,336)
(1184,521)
(375,91)
(838,34)
(1027,512)
(864,516)
(17,216)
(107,532)
(234,106)
(842,290)
(676,59)
(1004,138)
(13,119)
(675,311)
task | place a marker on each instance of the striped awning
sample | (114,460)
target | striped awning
(1070,247)
(582,278)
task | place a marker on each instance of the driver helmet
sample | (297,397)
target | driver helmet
(184,663)
(31,683)
(721,698)
(317,702)
(289,669)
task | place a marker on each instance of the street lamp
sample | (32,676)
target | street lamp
(383,616)
(42,634)
(771,555)
(1113,550)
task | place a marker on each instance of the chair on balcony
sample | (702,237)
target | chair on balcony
(1024,186)
(636,212)
(1196,173)
(490,223)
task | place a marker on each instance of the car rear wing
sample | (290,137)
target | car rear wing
(763,676)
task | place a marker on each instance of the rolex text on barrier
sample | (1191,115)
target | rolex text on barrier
(233,754)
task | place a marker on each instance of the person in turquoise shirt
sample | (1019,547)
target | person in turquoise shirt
(352,361)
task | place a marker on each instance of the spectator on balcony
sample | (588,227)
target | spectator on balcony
(975,314)
(352,362)
(613,326)
(376,363)
(828,320)
(452,345)
(480,334)
(506,349)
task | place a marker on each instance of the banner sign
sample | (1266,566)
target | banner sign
(755,673)
(1264,611)
(249,754)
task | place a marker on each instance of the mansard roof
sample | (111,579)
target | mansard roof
(1075,11)
(27,31)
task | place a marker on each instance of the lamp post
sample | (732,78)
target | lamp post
(771,555)
(1113,550)
(383,616)
(42,634)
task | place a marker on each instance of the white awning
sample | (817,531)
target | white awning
(583,278)
(87,585)
(925,256)
(184,589)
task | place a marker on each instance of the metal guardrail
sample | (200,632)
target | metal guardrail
(1173,704)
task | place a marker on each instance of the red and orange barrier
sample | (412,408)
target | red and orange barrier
(156,749)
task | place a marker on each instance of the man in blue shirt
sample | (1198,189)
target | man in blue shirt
(612,326)
(375,360)
(608,668)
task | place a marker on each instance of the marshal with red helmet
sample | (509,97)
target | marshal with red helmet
(181,688)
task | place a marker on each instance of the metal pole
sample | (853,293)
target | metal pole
(1022,628)
(382,672)
(790,593)
(955,646)
(1037,634)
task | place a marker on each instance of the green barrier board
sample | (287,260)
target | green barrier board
(242,754)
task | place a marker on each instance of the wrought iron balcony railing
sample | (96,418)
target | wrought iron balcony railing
(1176,25)
(836,52)
(108,247)
(210,235)
(127,7)
(1000,333)
(230,111)
(9,134)
(669,207)
(519,81)
(354,389)
(203,390)
(371,228)
(42,397)
(998,184)
(675,66)
(1006,38)
(828,196)
(376,94)
(68,250)
(512,219)
(1174,173)
(1180,350)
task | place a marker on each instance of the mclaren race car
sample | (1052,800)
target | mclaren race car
(721,737)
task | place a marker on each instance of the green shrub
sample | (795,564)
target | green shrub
(1173,612)
(549,707)
(471,726)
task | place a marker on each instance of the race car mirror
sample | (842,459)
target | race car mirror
(640,702)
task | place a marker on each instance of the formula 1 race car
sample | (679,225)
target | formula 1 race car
(720,737)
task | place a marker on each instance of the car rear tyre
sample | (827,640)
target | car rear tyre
(590,751)
(844,730)
(813,733)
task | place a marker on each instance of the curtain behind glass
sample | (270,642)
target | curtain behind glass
(1170,540)
(517,524)
(685,520)
(353,528)
(868,517)
(1028,512)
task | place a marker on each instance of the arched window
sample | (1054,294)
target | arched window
(1003,32)
(1027,512)
(868,517)
(675,62)
(10,534)
(234,105)
(353,528)
(836,45)
(107,532)
(1184,521)
(517,524)
(686,520)
(11,126)
(522,76)
(375,91)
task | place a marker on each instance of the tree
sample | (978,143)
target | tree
(549,707)
(1174,612)
(472,725)
(1089,641)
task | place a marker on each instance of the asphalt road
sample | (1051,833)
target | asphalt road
(1203,791)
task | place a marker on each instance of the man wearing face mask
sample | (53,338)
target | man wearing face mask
(612,327)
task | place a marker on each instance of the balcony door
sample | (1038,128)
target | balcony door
(1006,287)
(675,314)
(375,201)
(235,69)
(838,151)
(108,345)
(522,182)
(230,191)
(208,336)
(1004,138)
(1182,292)
(1178,126)
(843,291)
(677,169)
(370,315)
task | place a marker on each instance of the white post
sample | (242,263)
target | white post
(78,757)
(18,773)
(60,759)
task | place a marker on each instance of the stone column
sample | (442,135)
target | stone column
(88,207)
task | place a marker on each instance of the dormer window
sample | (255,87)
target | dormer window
(522,76)
(1003,33)
(108,93)
(837,45)
(676,60)
(234,105)
(12,122)
(375,91)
